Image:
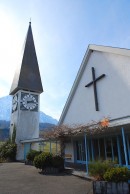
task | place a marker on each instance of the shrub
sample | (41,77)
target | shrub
(48,160)
(8,151)
(31,155)
(117,174)
(43,160)
(97,169)
(58,162)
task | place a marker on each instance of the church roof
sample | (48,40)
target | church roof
(90,49)
(27,76)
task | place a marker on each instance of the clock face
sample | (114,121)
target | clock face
(15,103)
(29,102)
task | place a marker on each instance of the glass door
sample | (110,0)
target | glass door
(80,151)
(27,148)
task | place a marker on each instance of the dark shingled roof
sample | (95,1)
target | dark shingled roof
(27,77)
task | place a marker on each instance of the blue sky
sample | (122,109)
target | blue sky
(62,30)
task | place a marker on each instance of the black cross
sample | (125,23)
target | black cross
(93,82)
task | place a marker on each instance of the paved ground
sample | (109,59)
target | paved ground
(17,178)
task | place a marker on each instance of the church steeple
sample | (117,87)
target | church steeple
(27,77)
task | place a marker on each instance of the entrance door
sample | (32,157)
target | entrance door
(26,149)
(80,151)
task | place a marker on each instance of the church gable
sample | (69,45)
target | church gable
(105,73)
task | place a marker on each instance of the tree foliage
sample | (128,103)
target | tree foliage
(90,129)
(8,151)
(9,148)
(62,132)
(31,155)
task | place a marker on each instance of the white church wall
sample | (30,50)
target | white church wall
(113,90)
(26,129)
(29,128)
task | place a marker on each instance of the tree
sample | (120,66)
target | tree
(62,132)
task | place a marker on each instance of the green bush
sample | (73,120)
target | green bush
(43,160)
(31,155)
(117,174)
(48,160)
(58,162)
(8,151)
(97,169)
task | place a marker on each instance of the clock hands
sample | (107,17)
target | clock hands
(30,101)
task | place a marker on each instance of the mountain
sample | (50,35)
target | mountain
(5,111)
(47,119)
(5,108)
(43,126)
(4,134)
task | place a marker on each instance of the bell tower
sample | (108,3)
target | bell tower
(26,89)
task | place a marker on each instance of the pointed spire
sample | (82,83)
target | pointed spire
(27,77)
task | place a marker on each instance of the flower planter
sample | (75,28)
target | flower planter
(104,187)
(50,170)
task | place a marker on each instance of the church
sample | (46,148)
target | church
(101,91)
(25,90)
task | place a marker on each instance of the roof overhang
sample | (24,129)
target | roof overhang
(35,140)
